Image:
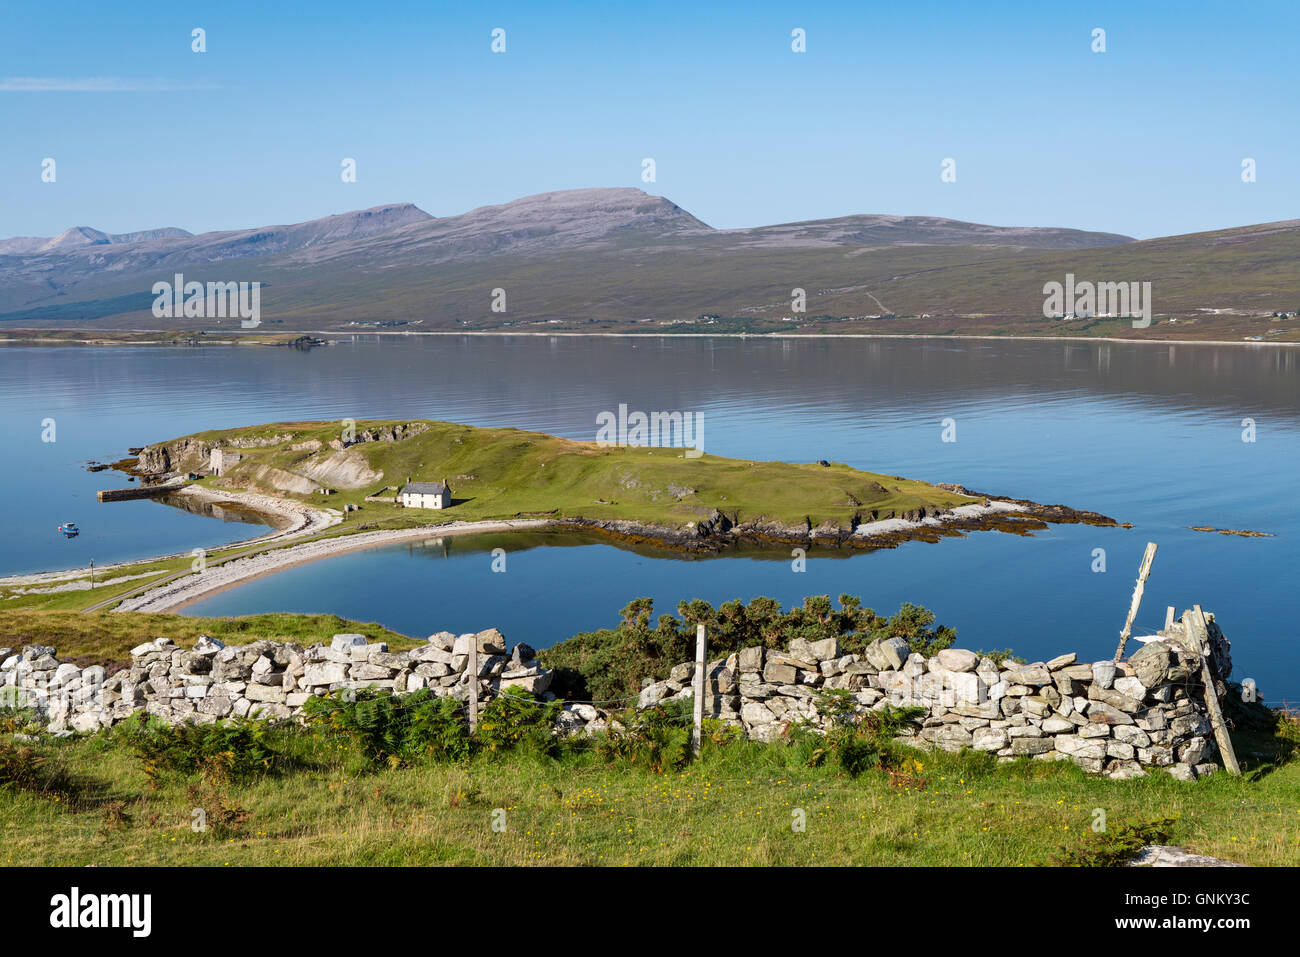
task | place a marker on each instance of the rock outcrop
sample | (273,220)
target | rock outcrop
(170,458)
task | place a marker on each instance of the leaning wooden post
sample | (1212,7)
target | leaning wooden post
(1143,572)
(471,669)
(697,729)
(1198,631)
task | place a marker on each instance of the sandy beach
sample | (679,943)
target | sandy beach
(179,592)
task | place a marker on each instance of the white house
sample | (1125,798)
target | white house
(425,495)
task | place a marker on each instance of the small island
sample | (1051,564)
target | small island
(333,487)
(674,496)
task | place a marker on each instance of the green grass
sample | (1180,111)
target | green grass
(111,635)
(508,473)
(100,800)
(108,584)
(733,807)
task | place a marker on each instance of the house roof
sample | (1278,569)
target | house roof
(425,488)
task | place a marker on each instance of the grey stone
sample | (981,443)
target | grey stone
(207,645)
(1194,750)
(750,659)
(432,653)
(1124,770)
(958,659)
(1103,673)
(895,652)
(1131,687)
(264,693)
(652,695)
(1099,712)
(989,739)
(442,640)
(776,672)
(825,649)
(1030,746)
(346,642)
(1032,675)
(324,673)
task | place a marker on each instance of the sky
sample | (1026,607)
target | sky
(1147,138)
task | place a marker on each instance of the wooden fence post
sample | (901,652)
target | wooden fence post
(1143,572)
(697,730)
(471,669)
(1198,633)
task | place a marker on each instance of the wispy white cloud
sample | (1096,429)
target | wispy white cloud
(95,84)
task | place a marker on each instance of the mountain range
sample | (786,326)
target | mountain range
(611,259)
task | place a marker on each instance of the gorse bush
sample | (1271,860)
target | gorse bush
(1001,656)
(610,664)
(233,750)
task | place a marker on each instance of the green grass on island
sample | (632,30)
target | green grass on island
(509,473)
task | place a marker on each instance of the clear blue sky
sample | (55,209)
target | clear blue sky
(1145,139)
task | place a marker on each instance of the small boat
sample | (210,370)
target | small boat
(69,529)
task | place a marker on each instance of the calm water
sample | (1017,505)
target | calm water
(1148,434)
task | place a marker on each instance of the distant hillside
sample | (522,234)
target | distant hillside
(81,236)
(917,231)
(82,263)
(623,260)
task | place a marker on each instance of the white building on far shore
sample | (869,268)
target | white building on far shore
(425,495)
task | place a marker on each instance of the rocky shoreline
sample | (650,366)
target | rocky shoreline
(868,532)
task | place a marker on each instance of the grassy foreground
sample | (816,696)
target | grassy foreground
(425,793)
(735,806)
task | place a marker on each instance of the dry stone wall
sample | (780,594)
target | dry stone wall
(1117,719)
(262,679)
